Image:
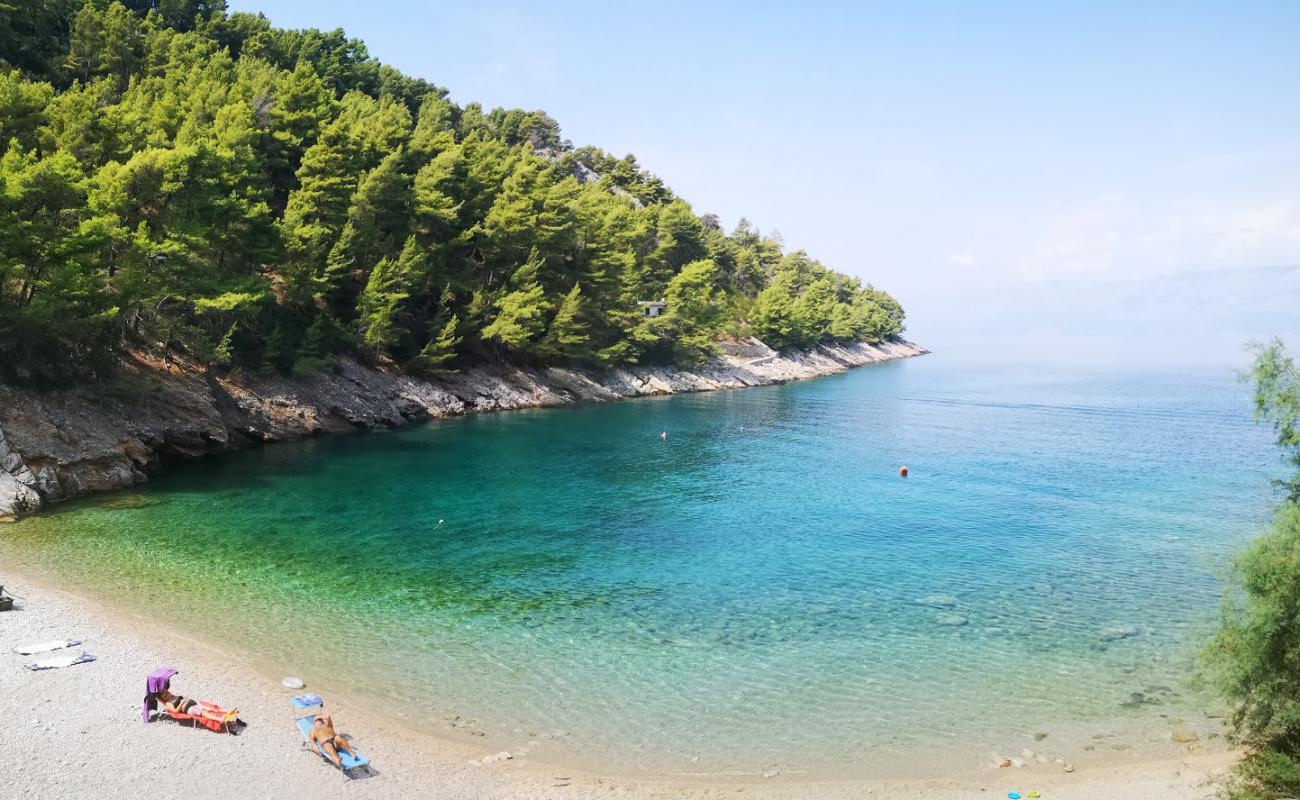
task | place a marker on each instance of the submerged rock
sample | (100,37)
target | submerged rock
(1183,735)
(1117,633)
(952,620)
(937,601)
(1140,699)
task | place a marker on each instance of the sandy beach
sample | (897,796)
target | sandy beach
(77,732)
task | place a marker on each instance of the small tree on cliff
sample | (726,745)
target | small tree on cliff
(1254,659)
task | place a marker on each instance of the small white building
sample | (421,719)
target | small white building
(652,308)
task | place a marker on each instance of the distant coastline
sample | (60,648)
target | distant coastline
(60,444)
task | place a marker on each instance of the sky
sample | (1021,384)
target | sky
(1080,181)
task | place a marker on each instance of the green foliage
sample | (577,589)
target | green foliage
(1277,401)
(690,325)
(521,313)
(228,301)
(390,282)
(566,336)
(175,175)
(436,356)
(1254,659)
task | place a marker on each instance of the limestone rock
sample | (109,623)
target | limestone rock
(16,498)
(1183,735)
(1117,633)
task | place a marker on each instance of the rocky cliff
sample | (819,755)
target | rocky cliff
(61,444)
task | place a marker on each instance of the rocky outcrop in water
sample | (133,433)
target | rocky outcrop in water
(60,444)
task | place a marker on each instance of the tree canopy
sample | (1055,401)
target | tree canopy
(173,175)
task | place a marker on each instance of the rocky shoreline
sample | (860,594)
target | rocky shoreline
(61,444)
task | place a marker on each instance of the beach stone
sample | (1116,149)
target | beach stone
(1068,768)
(952,620)
(1017,763)
(1117,633)
(1139,699)
(937,601)
(1183,735)
(497,758)
(1001,762)
(1040,736)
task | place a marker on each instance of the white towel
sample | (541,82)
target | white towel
(55,662)
(45,647)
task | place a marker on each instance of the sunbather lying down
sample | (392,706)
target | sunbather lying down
(209,715)
(175,704)
(327,741)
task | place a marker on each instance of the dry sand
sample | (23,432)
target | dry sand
(77,733)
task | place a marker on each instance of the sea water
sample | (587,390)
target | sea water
(759,592)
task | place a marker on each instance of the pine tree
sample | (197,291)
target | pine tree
(814,310)
(225,354)
(378,219)
(566,336)
(440,352)
(521,313)
(390,282)
(295,115)
(319,206)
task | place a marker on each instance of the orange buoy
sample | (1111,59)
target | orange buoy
(902,472)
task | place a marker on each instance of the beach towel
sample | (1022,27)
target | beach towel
(45,647)
(211,716)
(57,662)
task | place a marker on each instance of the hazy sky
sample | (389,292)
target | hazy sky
(1102,180)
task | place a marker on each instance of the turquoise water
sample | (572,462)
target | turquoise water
(738,598)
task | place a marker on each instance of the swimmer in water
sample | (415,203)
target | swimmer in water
(663,435)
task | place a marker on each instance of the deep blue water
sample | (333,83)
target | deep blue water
(744,595)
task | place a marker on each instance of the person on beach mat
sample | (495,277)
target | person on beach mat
(328,742)
(158,693)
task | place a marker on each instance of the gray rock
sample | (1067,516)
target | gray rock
(16,498)
(1117,633)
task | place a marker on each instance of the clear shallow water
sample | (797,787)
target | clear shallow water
(741,597)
